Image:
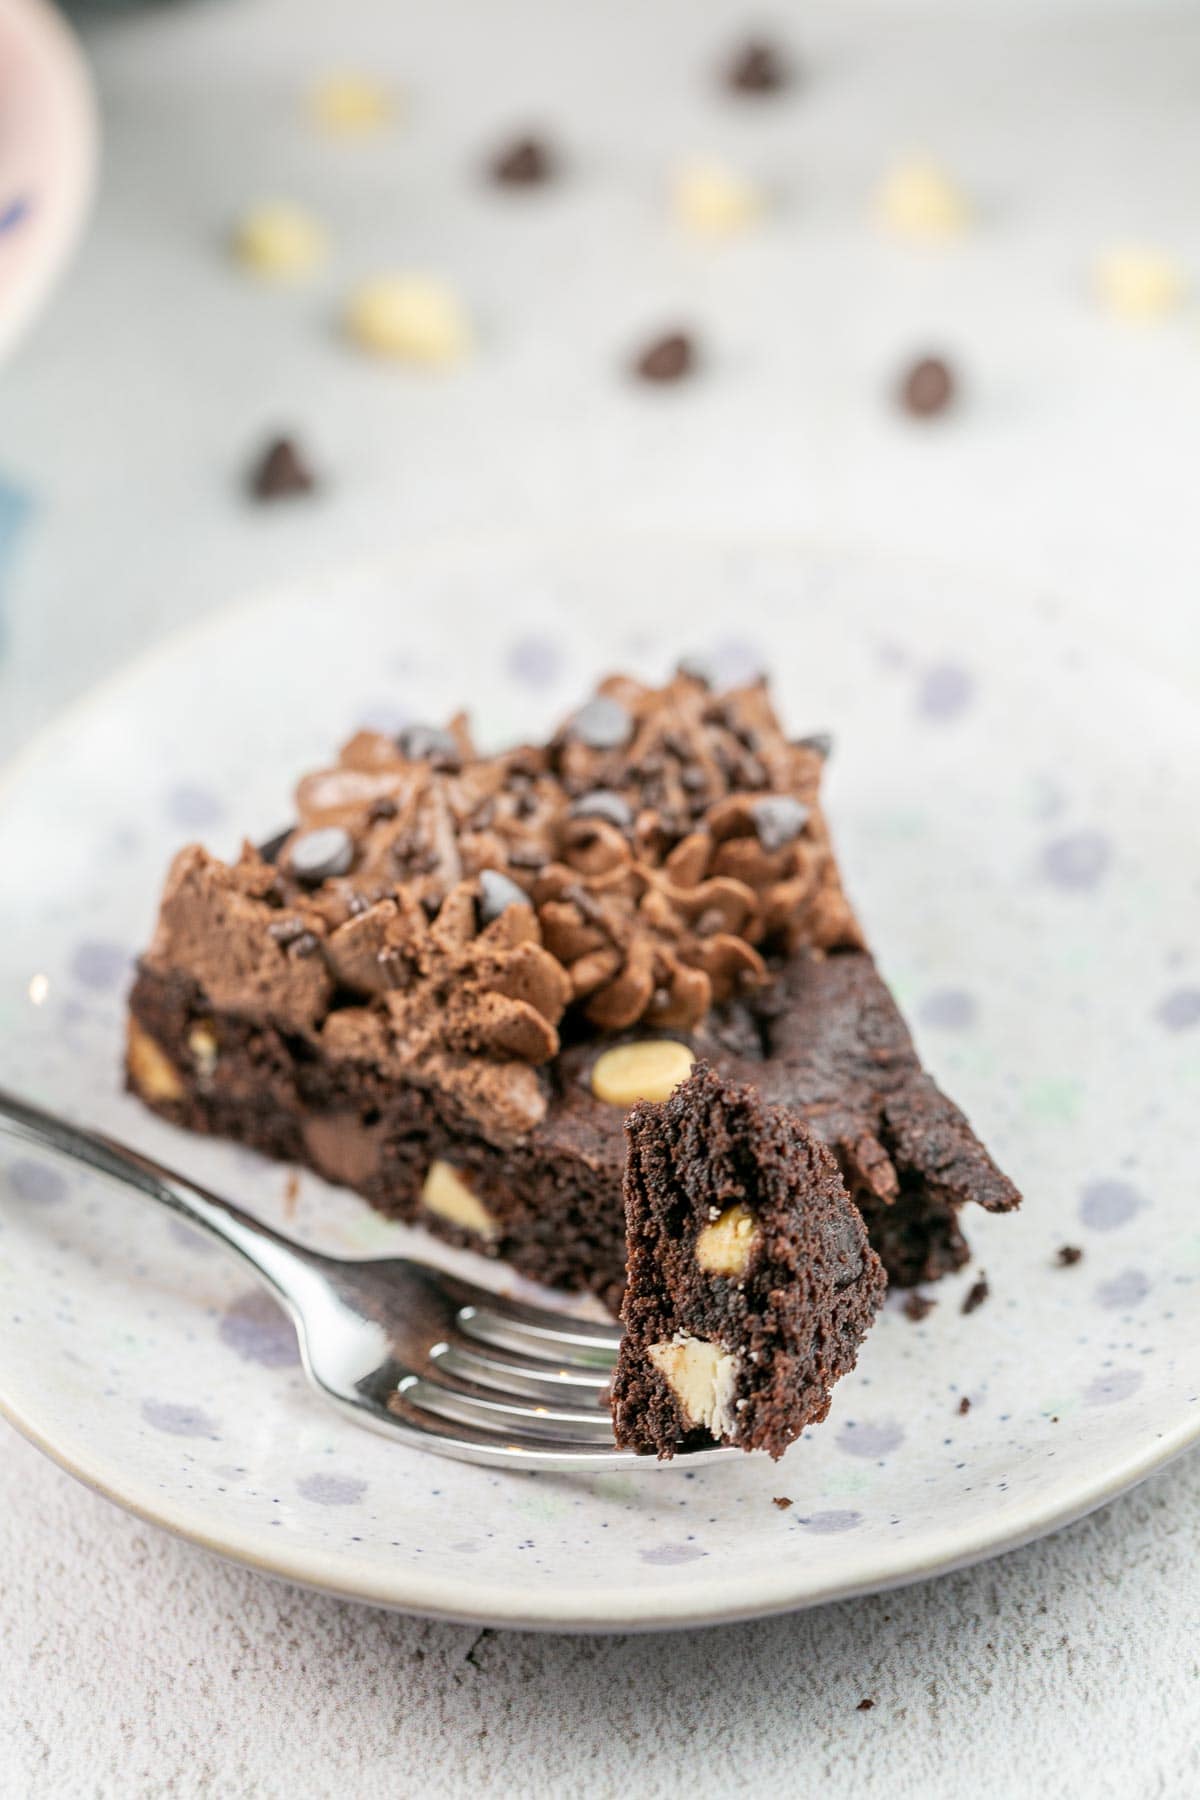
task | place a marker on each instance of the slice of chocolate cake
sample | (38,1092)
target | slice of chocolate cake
(446,984)
(751,1283)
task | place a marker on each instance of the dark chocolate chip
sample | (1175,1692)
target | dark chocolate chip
(497,892)
(431,744)
(928,388)
(280,471)
(526,162)
(820,741)
(1069,1255)
(315,856)
(976,1295)
(757,68)
(270,850)
(668,358)
(603,804)
(602,724)
(779,820)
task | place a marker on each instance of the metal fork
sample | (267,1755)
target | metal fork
(396,1344)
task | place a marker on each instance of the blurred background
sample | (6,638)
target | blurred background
(527,267)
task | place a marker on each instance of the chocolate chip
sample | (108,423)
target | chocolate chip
(1069,1255)
(431,744)
(315,856)
(668,358)
(865,1705)
(270,850)
(779,820)
(602,724)
(977,1295)
(526,162)
(819,741)
(757,68)
(918,1307)
(496,894)
(927,389)
(603,804)
(281,470)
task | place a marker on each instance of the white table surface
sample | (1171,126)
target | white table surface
(134,1665)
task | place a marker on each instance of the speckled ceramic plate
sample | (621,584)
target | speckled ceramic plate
(47,156)
(1016,814)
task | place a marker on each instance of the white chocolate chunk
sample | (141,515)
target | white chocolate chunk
(151,1070)
(649,1070)
(726,1246)
(446,1193)
(703,1377)
(279,241)
(1139,283)
(414,318)
(715,201)
(918,199)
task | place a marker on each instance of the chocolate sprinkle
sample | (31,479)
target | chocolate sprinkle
(431,744)
(315,856)
(601,803)
(779,820)
(927,388)
(280,472)
(668,358)
(757,68)
(1069,1255)
(977,1295)
(602,724)
(496,894)
(526,162)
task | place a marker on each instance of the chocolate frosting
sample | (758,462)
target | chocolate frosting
(668,842)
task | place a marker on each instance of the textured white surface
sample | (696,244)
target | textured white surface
(132,1665)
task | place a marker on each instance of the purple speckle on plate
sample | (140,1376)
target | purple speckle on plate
(97,964)
(952,1009)
(1076,861)
(873,1440)
(944,692)
(179,1419)
(669,1555)
(331,1490)
(36,1182)
(14,212)
(828,1523)
(193,806)
(1118,1384)
(1126,1289)
(1180,1010)
(534,660)
(260,1331)
(1106,1205)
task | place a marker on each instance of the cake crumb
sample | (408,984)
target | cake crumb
(864,1705)
(291,1194)
(918,1307)
(782,1502)
(977,1295)
(1068,1255)
(964,1406)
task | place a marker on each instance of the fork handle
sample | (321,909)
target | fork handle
(284,1265)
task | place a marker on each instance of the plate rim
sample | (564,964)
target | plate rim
(403,1588)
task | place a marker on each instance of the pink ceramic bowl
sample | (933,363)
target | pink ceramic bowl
(48,145)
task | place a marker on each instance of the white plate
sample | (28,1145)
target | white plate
(47,156)
(1017,819)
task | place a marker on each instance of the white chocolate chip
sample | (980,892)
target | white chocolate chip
(446,1193)
(702,1376)
(414,318)
(279,241)
(347,105)
(726,1246)
(649,1070)
(1139,283)
(151,1070)
(714,201)
(202,1042)
(919,200)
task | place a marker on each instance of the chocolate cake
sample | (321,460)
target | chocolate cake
(751,1283)
(447,983)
